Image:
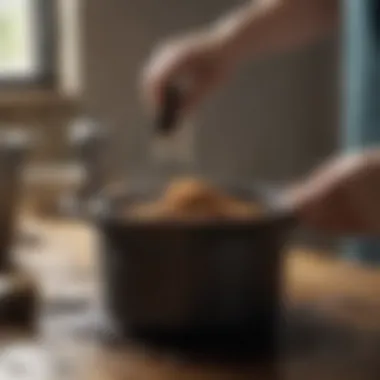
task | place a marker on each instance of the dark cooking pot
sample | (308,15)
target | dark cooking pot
(208,281)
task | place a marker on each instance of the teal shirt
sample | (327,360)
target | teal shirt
(361,94)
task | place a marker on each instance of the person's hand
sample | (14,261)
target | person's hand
(342,196)
(203,59)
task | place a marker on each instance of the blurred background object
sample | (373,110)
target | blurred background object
(87,140)
(40,84)
(18,291)
(15,146)
(40,68)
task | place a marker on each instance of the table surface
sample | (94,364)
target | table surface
(334,306)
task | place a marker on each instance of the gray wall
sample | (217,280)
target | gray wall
(275,120)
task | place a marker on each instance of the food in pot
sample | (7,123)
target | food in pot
(191,198)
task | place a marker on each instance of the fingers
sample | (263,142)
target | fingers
(163,67)
(196,61)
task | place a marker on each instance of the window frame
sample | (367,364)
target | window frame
(47,77)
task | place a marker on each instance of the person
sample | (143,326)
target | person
(342,195)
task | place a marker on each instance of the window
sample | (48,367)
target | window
(26,43)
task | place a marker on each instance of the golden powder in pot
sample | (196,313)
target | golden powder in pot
(191,198)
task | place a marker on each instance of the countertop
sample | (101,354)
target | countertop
(331,308)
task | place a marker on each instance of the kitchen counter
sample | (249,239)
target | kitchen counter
(331,309)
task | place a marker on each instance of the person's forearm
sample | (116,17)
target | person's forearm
(269,26)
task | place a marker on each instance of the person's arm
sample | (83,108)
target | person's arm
(209,56)
(270,26)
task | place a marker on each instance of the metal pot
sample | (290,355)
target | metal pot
(189,281)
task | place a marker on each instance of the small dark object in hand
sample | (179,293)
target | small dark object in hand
(168,116)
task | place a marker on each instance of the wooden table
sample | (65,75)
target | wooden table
(333,306)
